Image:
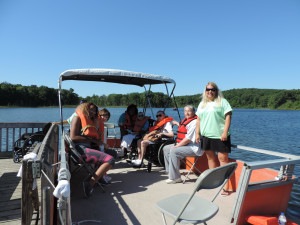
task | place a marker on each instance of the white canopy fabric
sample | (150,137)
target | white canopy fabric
(115,76)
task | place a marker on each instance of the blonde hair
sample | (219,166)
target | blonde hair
(218,97)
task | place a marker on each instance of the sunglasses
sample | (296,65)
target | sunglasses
(158,115)
(211,89)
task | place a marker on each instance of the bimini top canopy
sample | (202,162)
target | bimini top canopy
(114,76)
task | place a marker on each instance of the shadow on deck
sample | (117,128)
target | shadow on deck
(10,191)
(132,197)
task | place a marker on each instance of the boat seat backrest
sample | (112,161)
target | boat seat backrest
(213,178)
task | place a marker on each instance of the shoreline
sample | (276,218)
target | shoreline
(74,106)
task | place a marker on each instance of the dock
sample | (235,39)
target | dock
(10,193)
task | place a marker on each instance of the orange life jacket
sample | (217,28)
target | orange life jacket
(88,127)
(182,131)
(139,124)
(160,124)
(129,122)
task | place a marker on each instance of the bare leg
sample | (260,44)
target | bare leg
(99,173)
(211,158)
(223,159)
(139,147)
(144,145)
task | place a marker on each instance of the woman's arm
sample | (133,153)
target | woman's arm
(168,128)
(226,127)
(174,122)
(170,134)
(75,133)
(184,142)
(198,130)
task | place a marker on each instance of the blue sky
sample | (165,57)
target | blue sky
(235,43)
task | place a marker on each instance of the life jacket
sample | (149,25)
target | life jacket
(182,131)
(88,127)
(129,122)
(139,124)
(160,124)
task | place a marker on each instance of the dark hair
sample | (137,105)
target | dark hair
(82,101)
(132,106)
(104,112)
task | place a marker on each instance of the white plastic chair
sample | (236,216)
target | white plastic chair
(111,135)
(187,208)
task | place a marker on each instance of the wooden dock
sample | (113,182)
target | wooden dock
(19,204)
(10,193)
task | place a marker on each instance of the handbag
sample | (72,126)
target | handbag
(152,136)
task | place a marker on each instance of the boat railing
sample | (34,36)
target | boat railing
(10,132)
(64,206)
(39,178)
(285,176)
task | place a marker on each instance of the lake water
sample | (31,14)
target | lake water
(276,130)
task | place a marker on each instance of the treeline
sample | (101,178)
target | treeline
(33,96)
(157,99)
(253,98)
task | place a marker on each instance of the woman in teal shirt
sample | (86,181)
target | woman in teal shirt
(213,123)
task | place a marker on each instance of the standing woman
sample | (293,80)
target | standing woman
(214,118)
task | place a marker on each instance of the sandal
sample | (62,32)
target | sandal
(225,193)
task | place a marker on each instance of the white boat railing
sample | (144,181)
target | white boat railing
(64,203)
(285,176)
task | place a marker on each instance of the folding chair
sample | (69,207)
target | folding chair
(187,208)
(79,161)
(111,136)
(187,162)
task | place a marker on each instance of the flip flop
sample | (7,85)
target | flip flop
(225,193)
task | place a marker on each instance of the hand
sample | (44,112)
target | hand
(175,146)
(224,137)
(175,123)
(95,141)
(158,135)
(197,138)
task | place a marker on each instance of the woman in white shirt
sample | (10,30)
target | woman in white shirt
(185,145)
(165,133)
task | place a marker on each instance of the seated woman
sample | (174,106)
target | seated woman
(104,117)
(164,126)
(127,119)
(185,145)
(126,122)
(87,137)
(141,125)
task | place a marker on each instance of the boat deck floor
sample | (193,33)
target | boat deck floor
(131,198)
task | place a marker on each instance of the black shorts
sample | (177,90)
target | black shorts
(216,145)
